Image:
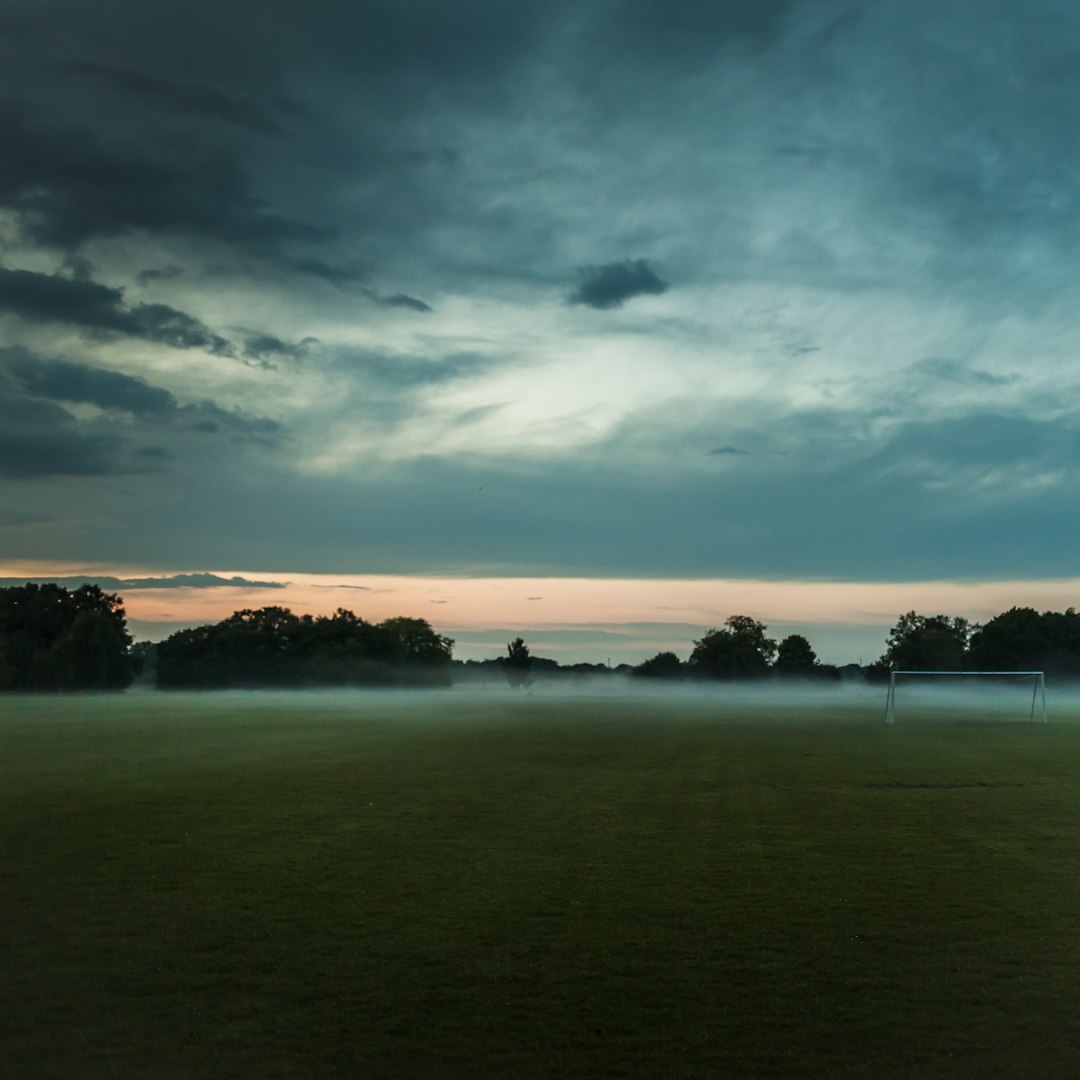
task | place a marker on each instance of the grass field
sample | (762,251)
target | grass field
(468,886)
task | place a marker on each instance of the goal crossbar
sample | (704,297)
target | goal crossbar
(1038,688)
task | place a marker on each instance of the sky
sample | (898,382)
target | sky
(662,311)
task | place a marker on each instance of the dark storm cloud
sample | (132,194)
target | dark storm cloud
(196,99)
(611,285)
(49,298)
(59,380)
(35,384)
(39,439)
(263,347)
(44,452)
(68,186)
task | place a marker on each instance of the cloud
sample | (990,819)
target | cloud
(793,168)
(688,32)
(955,372)
(60,380)
(409,371)
(342,275)
(66,187)
(261,347)
(41,452)
(611,285)
(196,99)
(172,581)
(162,273)
(50,298)
(401,300)
(34,384)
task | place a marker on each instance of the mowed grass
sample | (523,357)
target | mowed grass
(454,886)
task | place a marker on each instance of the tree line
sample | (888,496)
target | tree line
(272,647)
(53,638)
(740,650)
(1020,639)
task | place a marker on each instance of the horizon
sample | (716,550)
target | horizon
(570,620)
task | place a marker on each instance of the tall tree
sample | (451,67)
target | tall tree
(55,639)
(517,662)
(795,657)
(1021,639)
(740,650)
(928,643)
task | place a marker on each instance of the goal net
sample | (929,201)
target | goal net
(1003,695)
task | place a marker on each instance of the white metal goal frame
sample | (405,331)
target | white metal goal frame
(1038,688)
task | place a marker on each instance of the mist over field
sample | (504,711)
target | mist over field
(792,700)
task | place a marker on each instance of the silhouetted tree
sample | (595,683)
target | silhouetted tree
(738,651)
(273,647)
(55,639)
(1021,639)
(664,665)
(795,657)
(517,663)
(928,643)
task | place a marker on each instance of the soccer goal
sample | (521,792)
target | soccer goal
(999,679)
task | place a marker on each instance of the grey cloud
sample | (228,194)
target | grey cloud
(855,514)
(261,347)
(44,381)
(68,187)
(39,452)
(408,372)
(49,298)
(39,439)
(954,450)
(401,300)
(171,581)
(160,454)
(480,412)
(206,416)
(956,372)
(727,451)
(163,273)
(60,380)
(341,275)
(611,285)
(197,99)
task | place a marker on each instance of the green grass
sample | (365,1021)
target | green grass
(433,886)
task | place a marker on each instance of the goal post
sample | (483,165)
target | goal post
(1038,688)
